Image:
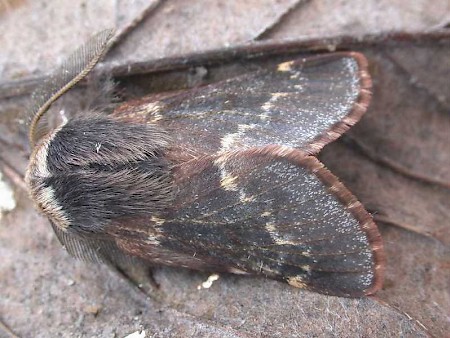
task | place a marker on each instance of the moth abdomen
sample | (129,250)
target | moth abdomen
(92,171)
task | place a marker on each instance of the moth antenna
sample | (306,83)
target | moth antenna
(72,70)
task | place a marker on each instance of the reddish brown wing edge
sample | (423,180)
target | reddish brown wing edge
(330,135)
(358,109)
(350,202)
(332,182)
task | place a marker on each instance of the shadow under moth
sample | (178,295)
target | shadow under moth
(220,178)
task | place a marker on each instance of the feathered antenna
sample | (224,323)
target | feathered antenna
(72,70)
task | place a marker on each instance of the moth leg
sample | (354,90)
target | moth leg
(139,277)
(151,278)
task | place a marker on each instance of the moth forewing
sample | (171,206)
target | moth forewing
(216,178)
(304,103)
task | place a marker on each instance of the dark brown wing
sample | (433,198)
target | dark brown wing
(273,211)
(305,103)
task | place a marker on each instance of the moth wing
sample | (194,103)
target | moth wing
(304,103)
(273,211)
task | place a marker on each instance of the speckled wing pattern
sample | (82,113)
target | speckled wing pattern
(268,211)
(305,103)
(249,196)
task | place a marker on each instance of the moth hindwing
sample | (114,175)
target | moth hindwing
(221,177)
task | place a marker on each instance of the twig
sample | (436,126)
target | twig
(246,51)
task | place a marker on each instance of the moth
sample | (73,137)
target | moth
(220,178)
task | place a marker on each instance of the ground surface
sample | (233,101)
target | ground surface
(396,161)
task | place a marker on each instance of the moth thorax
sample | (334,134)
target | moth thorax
(91,173)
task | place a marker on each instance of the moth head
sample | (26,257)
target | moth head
(41,193)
